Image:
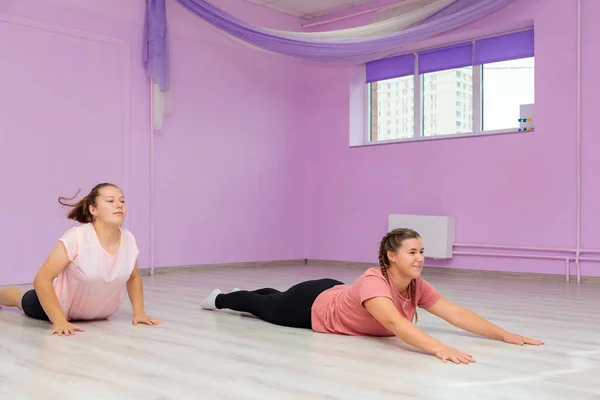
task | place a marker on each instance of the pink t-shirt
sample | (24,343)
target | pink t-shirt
(341,310)
(93,285)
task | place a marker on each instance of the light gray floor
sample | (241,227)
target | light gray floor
(200,354)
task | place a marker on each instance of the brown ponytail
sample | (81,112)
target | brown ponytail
(392,242)
(81,210)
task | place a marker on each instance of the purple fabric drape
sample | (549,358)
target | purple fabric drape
(351,50)
(156,52)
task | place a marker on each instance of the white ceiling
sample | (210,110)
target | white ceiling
(308,9)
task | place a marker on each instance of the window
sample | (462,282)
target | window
(506,85)
(475,87)
(401,126)
(450,110)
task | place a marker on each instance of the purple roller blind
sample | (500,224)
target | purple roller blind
(506,47)
(511,46)
(388,68)
(446,58)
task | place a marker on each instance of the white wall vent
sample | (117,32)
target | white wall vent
(437,232)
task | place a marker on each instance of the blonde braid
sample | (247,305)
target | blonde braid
(384,262)
(413,294)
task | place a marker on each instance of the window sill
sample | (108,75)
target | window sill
(444,136)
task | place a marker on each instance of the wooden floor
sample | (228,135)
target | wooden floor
(200,354)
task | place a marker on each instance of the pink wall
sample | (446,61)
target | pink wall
(270,135)
(72,113)
(229,163)
(590,142)
(504,190)
(75,86)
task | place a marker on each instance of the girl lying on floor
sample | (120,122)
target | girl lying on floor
(383,301)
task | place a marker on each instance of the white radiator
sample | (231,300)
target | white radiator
(437,232)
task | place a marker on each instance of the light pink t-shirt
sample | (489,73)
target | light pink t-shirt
(93,285)
(340,309)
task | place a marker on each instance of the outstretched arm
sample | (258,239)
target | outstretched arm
(384,311)
(135,290)
(54,264)
(469,321)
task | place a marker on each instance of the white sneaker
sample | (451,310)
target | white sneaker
(209,302)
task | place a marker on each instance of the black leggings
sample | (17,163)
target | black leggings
(32,306)
(290,308)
